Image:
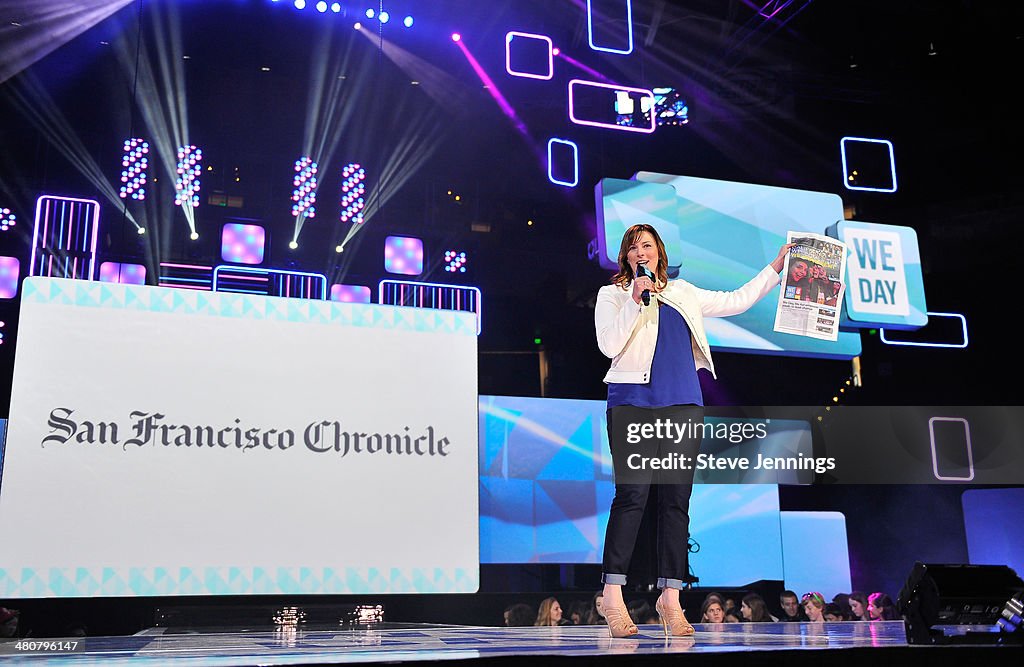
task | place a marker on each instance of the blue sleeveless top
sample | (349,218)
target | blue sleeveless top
(673,374)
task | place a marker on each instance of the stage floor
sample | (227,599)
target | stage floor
(412,643)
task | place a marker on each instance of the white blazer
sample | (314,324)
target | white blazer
(627,332)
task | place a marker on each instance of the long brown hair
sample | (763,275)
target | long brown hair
(625,275)
(544,612)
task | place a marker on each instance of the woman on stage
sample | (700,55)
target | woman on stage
(653,330)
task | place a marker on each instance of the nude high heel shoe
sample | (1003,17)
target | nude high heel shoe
(619,622)
(673,617)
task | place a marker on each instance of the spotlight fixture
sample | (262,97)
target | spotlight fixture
(407,21)
(384,17)
(293,244)
(141,230)
(370,13)
(336,7)
(456,37)
(357,25)
(321,6)
(300,4)
(194,236)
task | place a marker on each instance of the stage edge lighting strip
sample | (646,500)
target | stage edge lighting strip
(457,288)
(512,34)
(629,30)
(892,163)
(967,444)
(963,322)
(268,273)
(46,200)
(611,126)
(575,163)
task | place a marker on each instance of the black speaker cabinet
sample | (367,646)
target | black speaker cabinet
(937,597)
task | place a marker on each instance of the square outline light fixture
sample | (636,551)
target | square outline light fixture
(124,273)
(359,293)
(237,249)
(958,346)
(575,162)
(892,163)
(612,126)
(406,244)
(629,29)
(935,459)
(508,55)
(9,283)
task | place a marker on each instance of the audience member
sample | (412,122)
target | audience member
(578,612)
(519,616)
(8,622)
(834,612)
(549,613)
(814,607)
(711,611)
(595,615)
(842,600)
(881,608)
(640,613)
(859,606)
(754,610)
(790,604)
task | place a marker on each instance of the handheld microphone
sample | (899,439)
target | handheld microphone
(643,272)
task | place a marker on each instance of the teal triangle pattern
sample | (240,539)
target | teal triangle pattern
(262,582)
(86,582)
(332,583)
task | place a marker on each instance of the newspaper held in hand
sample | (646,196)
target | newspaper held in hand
(812,287)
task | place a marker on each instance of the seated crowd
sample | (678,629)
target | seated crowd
(717,608)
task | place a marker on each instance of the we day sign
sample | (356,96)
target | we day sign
(876,277)
(884,281)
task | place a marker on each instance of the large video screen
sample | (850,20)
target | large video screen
(546,487)
(720,234)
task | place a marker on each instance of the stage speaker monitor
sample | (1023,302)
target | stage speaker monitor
(938,597)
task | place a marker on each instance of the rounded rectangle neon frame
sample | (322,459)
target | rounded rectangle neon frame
(412,283)
(963,321)
(967,442)
(611,126)
(95,225)
(892,163)
(575,163)
(629,30)
(268,273)
(509,36)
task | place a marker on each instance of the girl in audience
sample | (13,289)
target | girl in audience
(595,615)
(814,607)
(754,609)
(881,608)
(711,611)
(550,612)
(859,606)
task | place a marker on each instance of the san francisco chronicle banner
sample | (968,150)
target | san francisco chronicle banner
(166,442)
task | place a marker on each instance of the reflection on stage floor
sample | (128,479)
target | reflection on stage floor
(400,643)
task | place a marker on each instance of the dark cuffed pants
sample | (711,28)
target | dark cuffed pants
(633,486)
